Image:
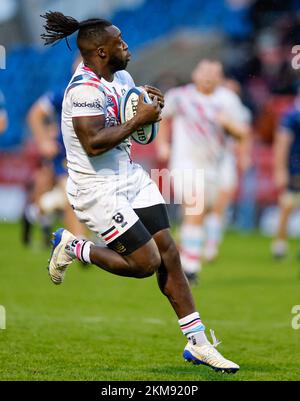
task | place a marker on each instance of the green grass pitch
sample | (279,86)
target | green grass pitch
(98,326)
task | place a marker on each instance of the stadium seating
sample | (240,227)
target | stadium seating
(34,70)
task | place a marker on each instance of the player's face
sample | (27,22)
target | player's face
(207,76)
(119,55)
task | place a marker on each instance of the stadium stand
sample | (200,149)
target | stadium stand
(30,69)
(192,29)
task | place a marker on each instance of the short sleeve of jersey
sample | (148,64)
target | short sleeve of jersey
(232,105)
(87,101)
(171,101)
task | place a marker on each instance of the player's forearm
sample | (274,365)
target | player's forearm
(39,133)
(282,145)
(36,121)
(237,130)
(280,162)
(164,132)
(280,157)
(163,147)
(107,138)
(3,123)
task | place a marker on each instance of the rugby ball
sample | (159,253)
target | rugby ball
(128,107)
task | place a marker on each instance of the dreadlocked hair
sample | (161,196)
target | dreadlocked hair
(59,26)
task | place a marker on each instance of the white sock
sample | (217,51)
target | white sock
(80,249)
(191,247)
(213,225)
(193,328)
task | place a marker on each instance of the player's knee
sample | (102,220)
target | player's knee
(173,253)
(148,267)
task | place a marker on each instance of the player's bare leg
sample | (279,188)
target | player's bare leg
(279,245)
(170,276)
(66,247)
(174,285)
(71,221)
(140,264)
(43,181)
(214,224)
(157,255)
(191,241)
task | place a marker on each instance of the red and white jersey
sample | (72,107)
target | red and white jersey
(89,95)
(194,125)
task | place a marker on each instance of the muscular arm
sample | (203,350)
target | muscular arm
(162,142)
(237,130)
(282,144)
(36,120)
(97,139)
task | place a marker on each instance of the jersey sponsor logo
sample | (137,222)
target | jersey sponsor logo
(96,104)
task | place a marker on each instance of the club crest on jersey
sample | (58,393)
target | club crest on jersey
(110,101)
(119,219)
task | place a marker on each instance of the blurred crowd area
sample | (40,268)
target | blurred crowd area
(253,39)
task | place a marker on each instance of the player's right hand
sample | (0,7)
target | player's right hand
(148,113)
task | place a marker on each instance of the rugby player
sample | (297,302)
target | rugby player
(203,117)
(109,192)
(49,187)
(287,173)
(236,154)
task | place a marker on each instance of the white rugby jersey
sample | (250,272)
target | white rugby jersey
(89,95)
(194,123)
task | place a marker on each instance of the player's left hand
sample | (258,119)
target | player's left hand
(152,92)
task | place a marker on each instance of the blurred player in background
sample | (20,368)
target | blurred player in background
(3,114)
(236,157)
(201,116)
(287,172)
(48,193)
(114,196)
